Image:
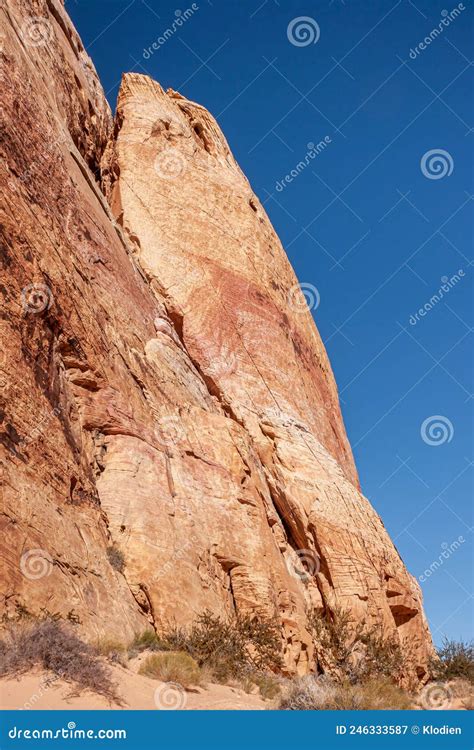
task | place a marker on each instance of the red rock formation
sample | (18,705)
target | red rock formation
(164,390)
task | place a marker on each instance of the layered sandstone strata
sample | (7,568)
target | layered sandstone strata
(165,390)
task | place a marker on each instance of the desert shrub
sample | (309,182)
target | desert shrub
(116,558)
(322,694)
(112,649)
(348,652)
(146,641)
(218,645)
(174,639)
(455,659)
(382,657)
(269,686)
(172,666)
(231,648)
(54,647)
(334,639)
(380,693)
(309,693)
(263,641)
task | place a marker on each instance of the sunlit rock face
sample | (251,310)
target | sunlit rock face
(164,390)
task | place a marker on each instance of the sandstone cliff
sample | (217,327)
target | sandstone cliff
(165,391)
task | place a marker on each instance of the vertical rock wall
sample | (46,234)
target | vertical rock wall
(164,389)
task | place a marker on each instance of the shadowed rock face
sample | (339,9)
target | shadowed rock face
(164,388)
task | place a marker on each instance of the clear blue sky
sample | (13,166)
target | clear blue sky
(362,223)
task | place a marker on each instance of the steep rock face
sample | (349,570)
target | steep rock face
(63,265)
(164,388)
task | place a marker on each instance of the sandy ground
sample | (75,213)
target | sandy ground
(35,691)
(32,691)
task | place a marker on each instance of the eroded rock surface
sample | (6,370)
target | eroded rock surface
(165,391)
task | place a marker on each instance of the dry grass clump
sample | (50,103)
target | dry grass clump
(172,666)
(113,650)
(54,647)
(322,694)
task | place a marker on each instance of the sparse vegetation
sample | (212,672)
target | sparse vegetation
(348,653)
(228,649)
(268,685)
(455,660)
(172,666)
(244,649)
(146,641)
(54,647)
(113,650)
(323,694)
(116,558)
